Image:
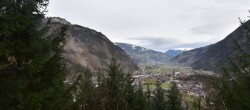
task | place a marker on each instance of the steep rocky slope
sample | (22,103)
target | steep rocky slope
(142,55)
(87,48)
(215,56)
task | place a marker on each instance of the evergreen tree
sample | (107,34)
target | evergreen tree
(140,101)
(115,85)
(32,73)
(84,92)
(148,94)
(159,102)
(233,84)
(129,91)
(100,92)
(174,98)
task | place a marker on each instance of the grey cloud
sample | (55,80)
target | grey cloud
(164,44)
(210,29)
(183,20)
(155,40)
(191,45)
(218,21)
(155,43)
(165,47)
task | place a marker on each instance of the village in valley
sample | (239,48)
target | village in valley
(190,82)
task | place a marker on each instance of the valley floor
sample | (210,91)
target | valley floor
(191,83)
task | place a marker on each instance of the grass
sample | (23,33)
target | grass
(151,86)
(163,69)
(166,69)
(150,80)
(166,85)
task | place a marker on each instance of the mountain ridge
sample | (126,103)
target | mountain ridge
(87,48)
(143,55)
(215,56)
(174,53)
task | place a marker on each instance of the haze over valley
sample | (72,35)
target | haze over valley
(189,69)
(124,55)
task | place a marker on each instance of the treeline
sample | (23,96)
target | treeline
(116,91)
(32,72)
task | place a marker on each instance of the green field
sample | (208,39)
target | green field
(166,69)
(151,82)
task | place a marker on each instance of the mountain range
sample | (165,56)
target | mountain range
(174,53)
(143,55)
(87,48)
(213,57)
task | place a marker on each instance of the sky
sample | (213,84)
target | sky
(156,24)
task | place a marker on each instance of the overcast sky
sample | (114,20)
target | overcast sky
(156,24)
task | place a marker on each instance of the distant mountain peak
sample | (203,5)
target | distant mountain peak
(59,20)
(174,53)
(143,55)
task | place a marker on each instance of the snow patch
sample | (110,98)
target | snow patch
(133,47)
(184,49)
(143,49)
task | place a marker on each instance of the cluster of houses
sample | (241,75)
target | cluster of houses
(189,86)
(194,88)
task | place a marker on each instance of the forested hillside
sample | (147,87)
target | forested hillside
(46,63)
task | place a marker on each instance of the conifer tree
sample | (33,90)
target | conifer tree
(84,94)
(159,102)
(140,99)
(129,91)
(148,94)
(32,73)
(174,98)
(233,84)
(115,87)
(100,92)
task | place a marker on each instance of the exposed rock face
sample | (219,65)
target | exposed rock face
(215,56)
(142,55)
(87,48)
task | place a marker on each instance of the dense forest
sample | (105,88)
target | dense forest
(33,73)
